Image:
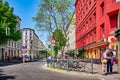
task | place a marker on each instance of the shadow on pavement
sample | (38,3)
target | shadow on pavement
(4,76)
(9,63)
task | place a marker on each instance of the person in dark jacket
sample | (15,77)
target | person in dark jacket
(109,58)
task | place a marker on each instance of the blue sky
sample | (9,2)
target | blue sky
(26,9)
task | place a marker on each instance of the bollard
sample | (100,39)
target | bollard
(67,65)
(92,65)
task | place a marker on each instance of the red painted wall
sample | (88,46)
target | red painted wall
(89,20)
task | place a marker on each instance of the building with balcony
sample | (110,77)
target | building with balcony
(96,21)
(31,43)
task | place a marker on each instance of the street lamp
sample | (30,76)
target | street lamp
(117,34)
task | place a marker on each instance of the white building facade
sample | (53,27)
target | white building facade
(70,44)
(12,48)
(31,43)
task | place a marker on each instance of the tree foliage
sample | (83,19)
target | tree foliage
(8,20)
(44,52)
(53,14)
(60,39)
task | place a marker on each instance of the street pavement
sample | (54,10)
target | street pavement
(39,71)
(97,72)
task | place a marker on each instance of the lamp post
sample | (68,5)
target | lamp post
(119,42)
(117,34)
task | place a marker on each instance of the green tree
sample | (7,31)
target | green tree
(53,14)
(60,39)
(44,52)
(8,22)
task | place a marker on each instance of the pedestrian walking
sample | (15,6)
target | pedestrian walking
(110,60)
(104,61)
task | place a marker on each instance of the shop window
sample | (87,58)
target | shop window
(116,47)
(102,8)
(112,47)
(95,54)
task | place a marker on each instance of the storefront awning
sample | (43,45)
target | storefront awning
(103,44)
(97,45)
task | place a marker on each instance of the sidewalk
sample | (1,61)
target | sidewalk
(97,69)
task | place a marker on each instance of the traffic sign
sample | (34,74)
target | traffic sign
(53,41)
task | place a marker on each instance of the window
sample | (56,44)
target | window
(26,32)
(12,43)
(18,46)
(87,25)
(94,34)
(90,3)
(113,20)
(30,33)
(9,43)
(25,37)
(86,8)
(90,21)
(31,42)
(103,31)
(26,41)
(117,0)
(94,0)
(94,17)
(102,8)
(15,44)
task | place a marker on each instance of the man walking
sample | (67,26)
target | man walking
(109,57)
(104,61)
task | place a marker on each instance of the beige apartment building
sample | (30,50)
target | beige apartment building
(31,44)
